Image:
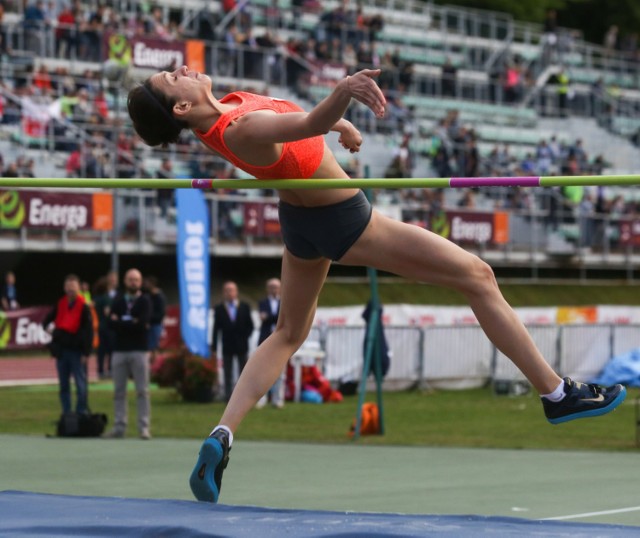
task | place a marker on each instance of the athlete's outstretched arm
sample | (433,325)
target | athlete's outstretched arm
(263,127)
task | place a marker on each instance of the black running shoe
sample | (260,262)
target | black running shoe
(206,477)
(583,401)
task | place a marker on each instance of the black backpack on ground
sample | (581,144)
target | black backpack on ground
(81,424)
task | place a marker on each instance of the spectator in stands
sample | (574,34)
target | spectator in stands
(504,160)
(252,56)
(405,75)
(297,8)
(73,165)
(353,167)
(9,292)
(164,197)
(11,170)
(71,327)
(100,105)
(129,318)
(580,154)
(229,54)
(91,35)
(125,165)
(440,162)
(157,26)
(513,83)
(610,42)
(554,147)
(350,58)
(33,21)
(597,94)
(158,311)
(471,158)
(598,165)
(467,200)
(402,161)
(617,206)
(244,21)
(228,5)
(95,158)
(449,74)
(562,88)
(29,168)
(42,80)
(544,158)
(571,167)
(273,16)
(528,165)
(83,108)
(375,23)
(550,36)
(586,220)
(66,33)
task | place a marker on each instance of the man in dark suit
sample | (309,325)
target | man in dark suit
(269,308)
(233,318)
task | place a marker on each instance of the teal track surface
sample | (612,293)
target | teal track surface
(312,490)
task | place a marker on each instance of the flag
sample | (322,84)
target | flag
(193,269)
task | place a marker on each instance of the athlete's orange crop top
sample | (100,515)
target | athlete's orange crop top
(299,159)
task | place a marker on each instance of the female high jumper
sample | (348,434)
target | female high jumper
(275,139)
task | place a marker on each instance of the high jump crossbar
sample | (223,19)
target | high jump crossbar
(279,184)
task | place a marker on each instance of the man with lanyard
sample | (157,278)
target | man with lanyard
(129,318)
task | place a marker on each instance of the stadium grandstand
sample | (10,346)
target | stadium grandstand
(470,93)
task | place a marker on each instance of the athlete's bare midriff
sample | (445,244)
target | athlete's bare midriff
(328,169)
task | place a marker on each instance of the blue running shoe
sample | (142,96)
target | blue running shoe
(206,477)
(583,401)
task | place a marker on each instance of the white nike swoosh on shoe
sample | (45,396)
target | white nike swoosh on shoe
(600,398)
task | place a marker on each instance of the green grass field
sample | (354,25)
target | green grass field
(394,291)
(467,418)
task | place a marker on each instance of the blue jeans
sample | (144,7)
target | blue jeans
(70,363)
(153,341)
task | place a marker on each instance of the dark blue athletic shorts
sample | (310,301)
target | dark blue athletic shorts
(326,231)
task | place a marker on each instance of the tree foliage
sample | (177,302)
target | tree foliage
(592,17)
(521,10)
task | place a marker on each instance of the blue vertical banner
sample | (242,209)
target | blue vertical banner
(193,269)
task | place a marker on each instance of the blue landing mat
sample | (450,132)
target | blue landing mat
(36,514)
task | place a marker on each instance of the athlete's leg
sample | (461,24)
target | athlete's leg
(418,254)
(302,281)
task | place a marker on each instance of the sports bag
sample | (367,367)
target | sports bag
(81,424)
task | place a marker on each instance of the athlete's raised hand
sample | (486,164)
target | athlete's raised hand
(364,89)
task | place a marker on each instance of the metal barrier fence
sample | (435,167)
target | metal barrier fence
(536,238)
(452,357)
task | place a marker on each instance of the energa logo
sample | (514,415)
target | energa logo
(12,211)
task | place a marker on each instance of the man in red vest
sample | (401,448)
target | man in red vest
(72,336)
